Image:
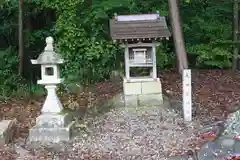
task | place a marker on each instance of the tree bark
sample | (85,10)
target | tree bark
(27,46)
(178,35)
(235,34)
(20,37)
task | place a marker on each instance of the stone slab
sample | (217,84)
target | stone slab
(177,158)
(217,149)
(132,88)
(143,100)
(150,99)
(7,128)
(151,87)
(53,120)
(51,135)
(131,100)
(141,86)
(141,79)
(236,146)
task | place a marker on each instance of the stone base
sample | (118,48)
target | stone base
(7,129)
(142,92)
(52,128)
(150,99)
(143,100)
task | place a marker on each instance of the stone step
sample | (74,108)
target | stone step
(143,100)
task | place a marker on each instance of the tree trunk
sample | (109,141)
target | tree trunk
(20,37)
(235,34)
(178,35)
(26,39)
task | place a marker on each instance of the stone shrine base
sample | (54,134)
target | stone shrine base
(142,92)
(52,128)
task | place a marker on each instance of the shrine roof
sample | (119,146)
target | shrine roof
(125,27)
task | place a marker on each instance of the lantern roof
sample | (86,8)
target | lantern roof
(48,56)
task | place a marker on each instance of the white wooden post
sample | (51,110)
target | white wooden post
(154,62)
(126,56)
(187,95)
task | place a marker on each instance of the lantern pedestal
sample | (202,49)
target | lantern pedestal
(52,103)
(51,128)
(142,92)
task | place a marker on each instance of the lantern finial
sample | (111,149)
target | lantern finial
(49,42)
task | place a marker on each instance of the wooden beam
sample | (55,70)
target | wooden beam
(127,68)
(154,61)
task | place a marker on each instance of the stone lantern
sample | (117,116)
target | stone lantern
(139,36)
(51,125)
(50,74)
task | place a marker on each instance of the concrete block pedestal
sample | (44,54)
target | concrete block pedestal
(142,92)
(52,127)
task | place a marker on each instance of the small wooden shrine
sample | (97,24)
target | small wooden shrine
(140,35)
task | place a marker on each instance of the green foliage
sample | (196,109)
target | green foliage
(208,56)
(8,65)
(206,25)
(95,65)
(164,59)
(85,56)
(8,80)
(10,83)
(81,32)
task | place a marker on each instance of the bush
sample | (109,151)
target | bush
(210,56)
(12,85)
(164,59)
(8,67)
(93,63)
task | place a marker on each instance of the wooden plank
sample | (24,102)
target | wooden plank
(154,62)
(137,22)
(139,34)
(138,37)
(140,65)
(115,24)
(122,30)
(131,36)
(137,17)
(146,32)
(126,57)
(139,25)
(187,95)
(141,31)
(140,45)
(136,27)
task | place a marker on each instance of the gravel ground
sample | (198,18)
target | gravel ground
(138,133)
(146,133)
